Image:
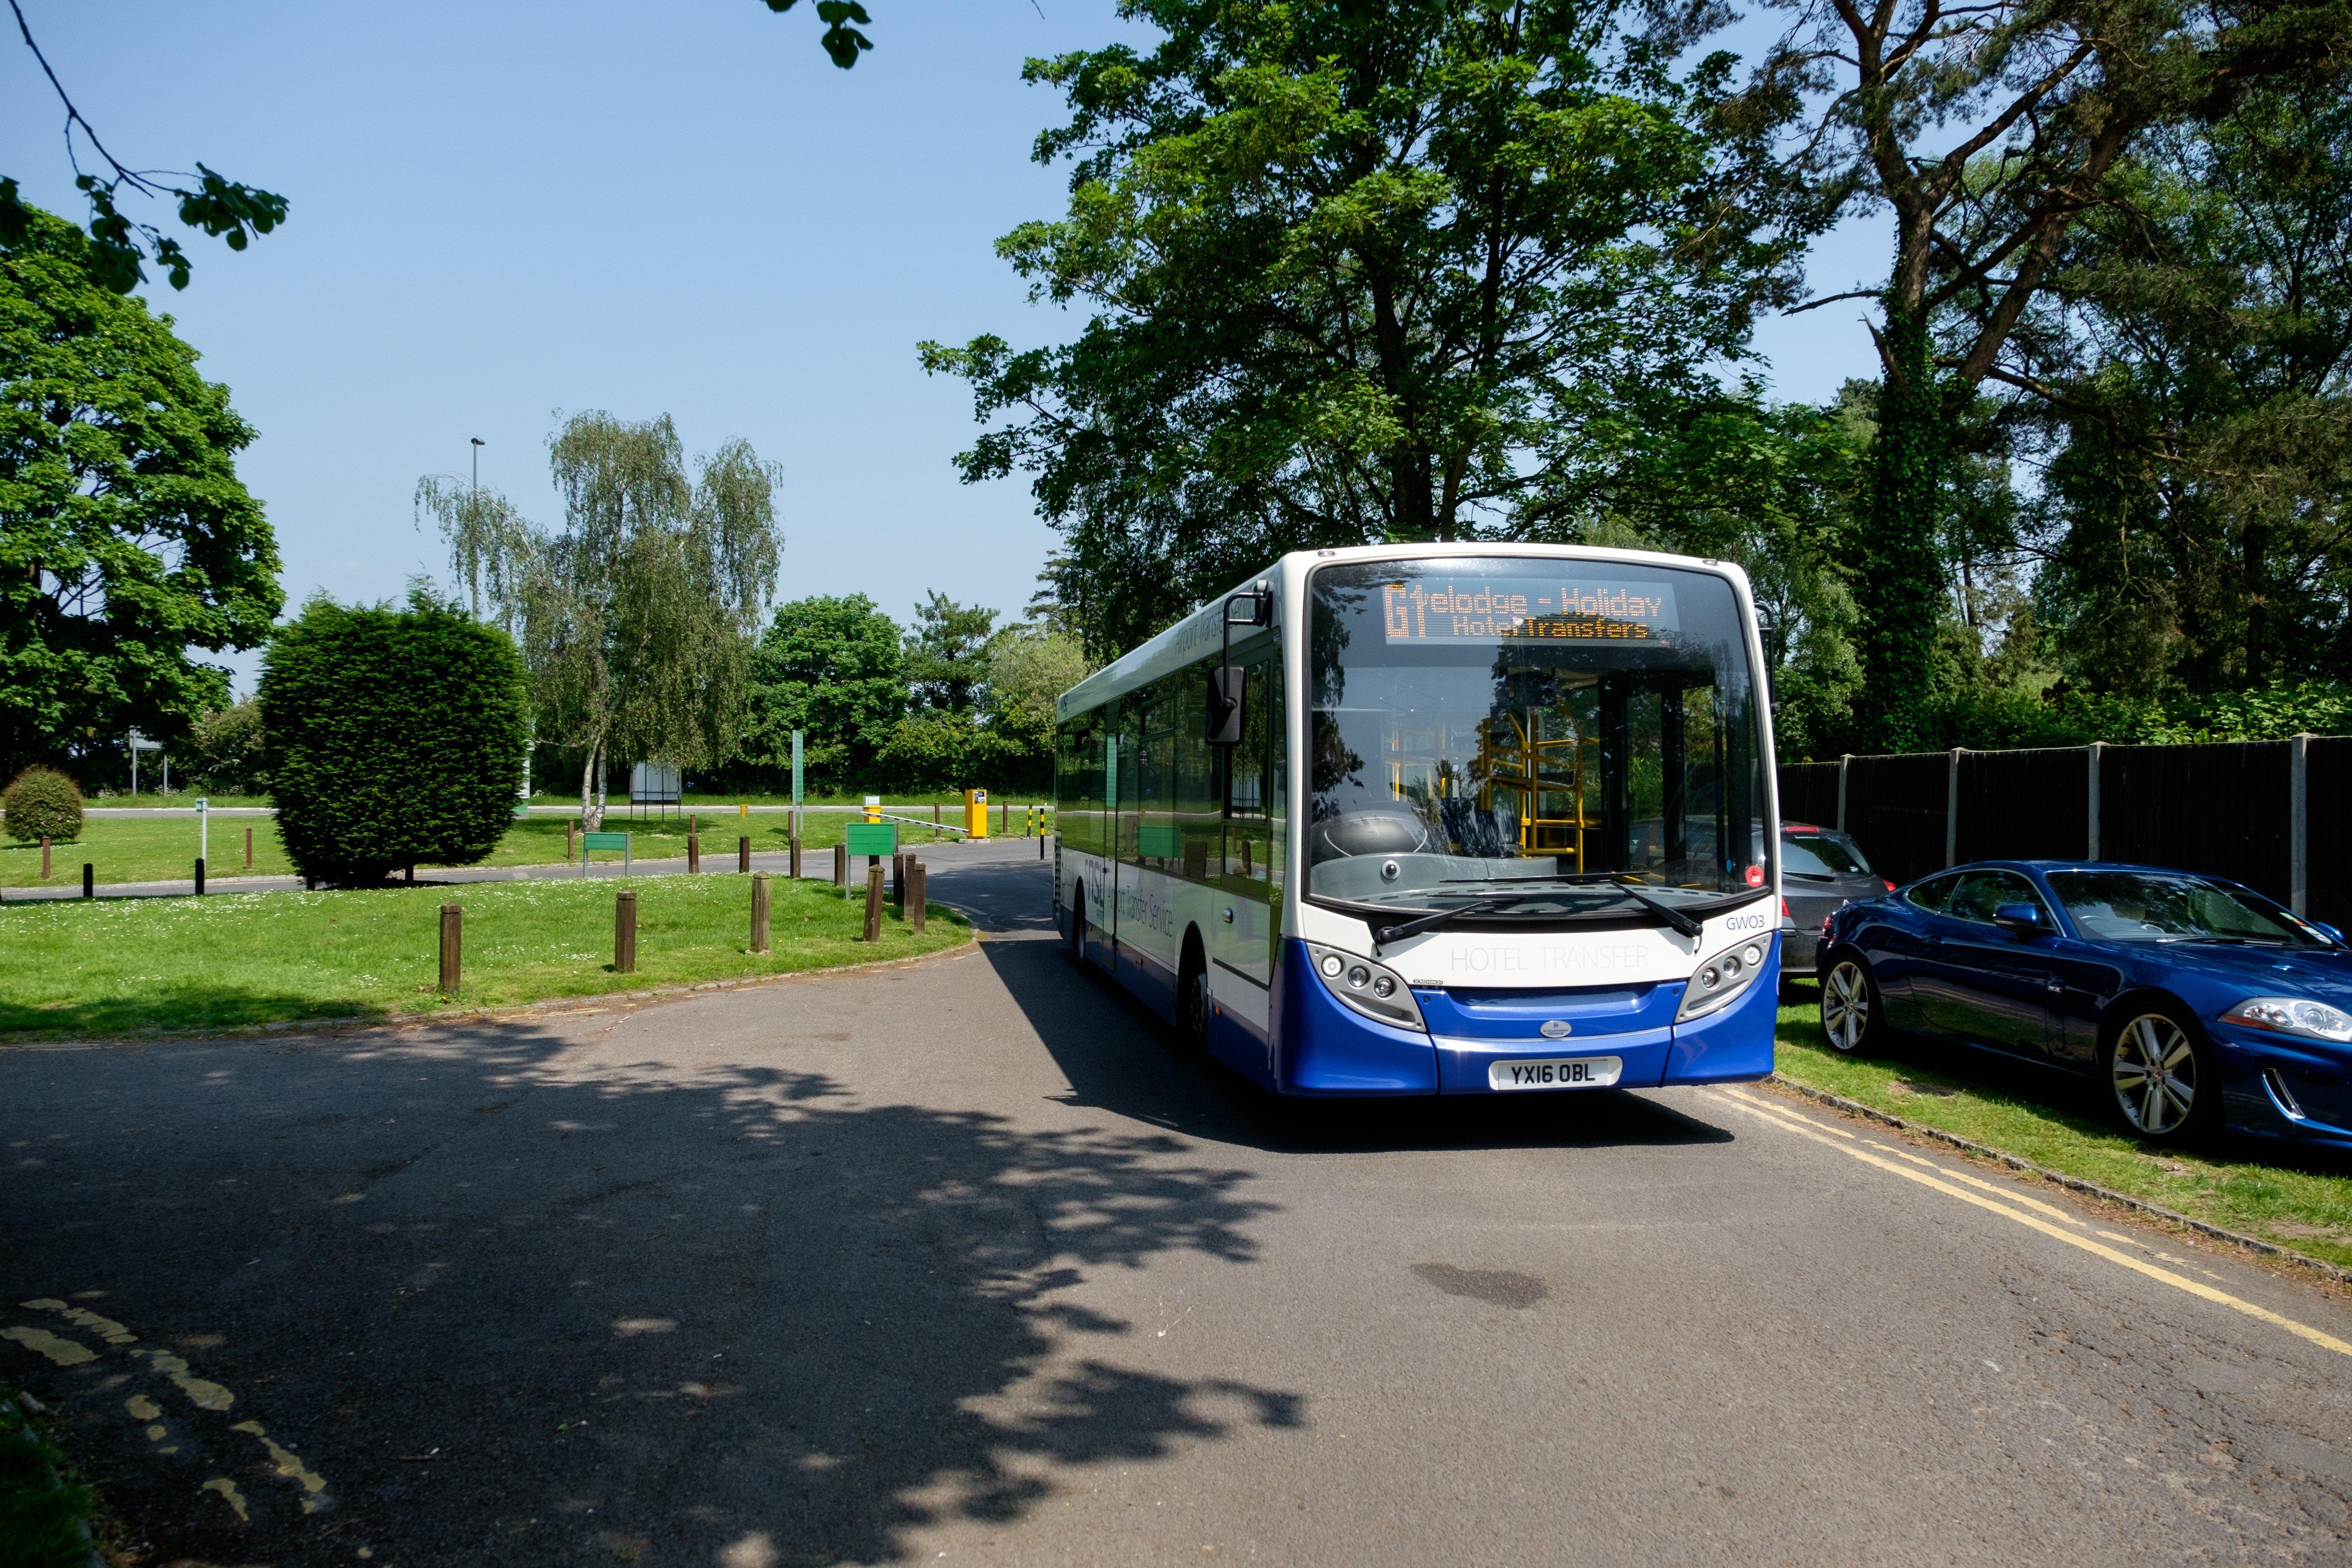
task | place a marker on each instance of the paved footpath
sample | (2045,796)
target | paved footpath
(961,1262)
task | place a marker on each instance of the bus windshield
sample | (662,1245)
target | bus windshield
(1531,736)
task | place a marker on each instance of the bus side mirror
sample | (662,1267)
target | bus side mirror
(1224,727)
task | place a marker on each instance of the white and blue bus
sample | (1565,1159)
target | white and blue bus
(1438,820)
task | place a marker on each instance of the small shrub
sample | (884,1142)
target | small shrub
(226,750)
(42,803)
(391,737)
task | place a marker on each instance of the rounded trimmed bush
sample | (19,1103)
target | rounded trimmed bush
(391,737)
(42,803)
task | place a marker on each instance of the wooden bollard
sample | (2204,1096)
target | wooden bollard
(841,865)
(89,880)
(570,840)
(919,893)
(759,912)
(248,848)
(796,857)
(693,852)
(873,900)
(898,879)
(453,943)
(744,854)
(45,857)
(935,820)
(624,933)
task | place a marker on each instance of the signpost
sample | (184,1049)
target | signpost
(796,784)
(591,842)
(139,743)
(203,821)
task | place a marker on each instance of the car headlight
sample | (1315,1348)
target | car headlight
(1372,989)
(2293,1015)
(1721,980)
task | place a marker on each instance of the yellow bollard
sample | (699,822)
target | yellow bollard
(975,813)
(873,808)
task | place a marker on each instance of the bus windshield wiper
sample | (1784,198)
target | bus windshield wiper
(1620,882)
(1498,902)
(1384,935)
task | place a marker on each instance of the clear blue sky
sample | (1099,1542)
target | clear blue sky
(503,213)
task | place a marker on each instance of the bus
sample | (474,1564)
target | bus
(1414,819)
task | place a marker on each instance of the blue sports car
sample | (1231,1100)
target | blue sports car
(2198,1003)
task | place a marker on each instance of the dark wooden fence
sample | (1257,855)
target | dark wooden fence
(2270,814)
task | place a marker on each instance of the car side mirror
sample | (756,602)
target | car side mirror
(1224,715)
(2328,931)
(2020,919)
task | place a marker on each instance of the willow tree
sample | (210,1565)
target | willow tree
(635,617)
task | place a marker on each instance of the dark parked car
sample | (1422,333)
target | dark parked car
(2197,1003)
(1821,871)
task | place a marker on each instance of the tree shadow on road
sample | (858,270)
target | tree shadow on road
(511,1306)
(1119,1057)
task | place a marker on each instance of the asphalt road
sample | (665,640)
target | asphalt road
(960,1261)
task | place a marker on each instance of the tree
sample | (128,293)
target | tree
(2196,408)
(392,736)
(127,541)
(1028,668)
(121,248)
(2036,100)
(636,618)
(835,669)
(1361,273)
(225,748)
(948,653)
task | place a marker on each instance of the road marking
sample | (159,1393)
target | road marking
(63,1351)
(288,1465)
(1804,1129)
(106,1329)
(2035,1203)
(229,1494)
(203,1395)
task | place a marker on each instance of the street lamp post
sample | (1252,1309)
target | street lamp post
(478,470)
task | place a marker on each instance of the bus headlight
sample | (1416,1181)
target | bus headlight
(1720,981)
(1372,989)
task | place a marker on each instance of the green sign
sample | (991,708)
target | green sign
(796,768)
(872,838)
(605,842)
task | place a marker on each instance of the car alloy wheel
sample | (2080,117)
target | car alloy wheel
(1845,1005)
(2154,1070)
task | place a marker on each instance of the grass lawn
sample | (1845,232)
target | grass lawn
(137,966)
(163,848)
(2297,1198)
(40,1515)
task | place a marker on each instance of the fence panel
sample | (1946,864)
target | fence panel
(1809,793)
(1895,808)
(2025,805)
(2218,809)
(2327,800)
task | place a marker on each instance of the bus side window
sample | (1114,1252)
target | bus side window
(1246,823)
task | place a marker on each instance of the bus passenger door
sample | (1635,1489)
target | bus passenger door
(1241,945)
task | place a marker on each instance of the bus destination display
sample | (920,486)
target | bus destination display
(1522,608)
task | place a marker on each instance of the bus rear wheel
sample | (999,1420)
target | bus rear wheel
(1079,926)
(1192,998)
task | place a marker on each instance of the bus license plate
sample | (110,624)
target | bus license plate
(1558,1073)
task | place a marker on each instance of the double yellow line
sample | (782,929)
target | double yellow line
(2014,1205)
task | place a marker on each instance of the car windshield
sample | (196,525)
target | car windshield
(2157,906)
(1480,724)
(1825,855)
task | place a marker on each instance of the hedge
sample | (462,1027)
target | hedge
(391,737)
